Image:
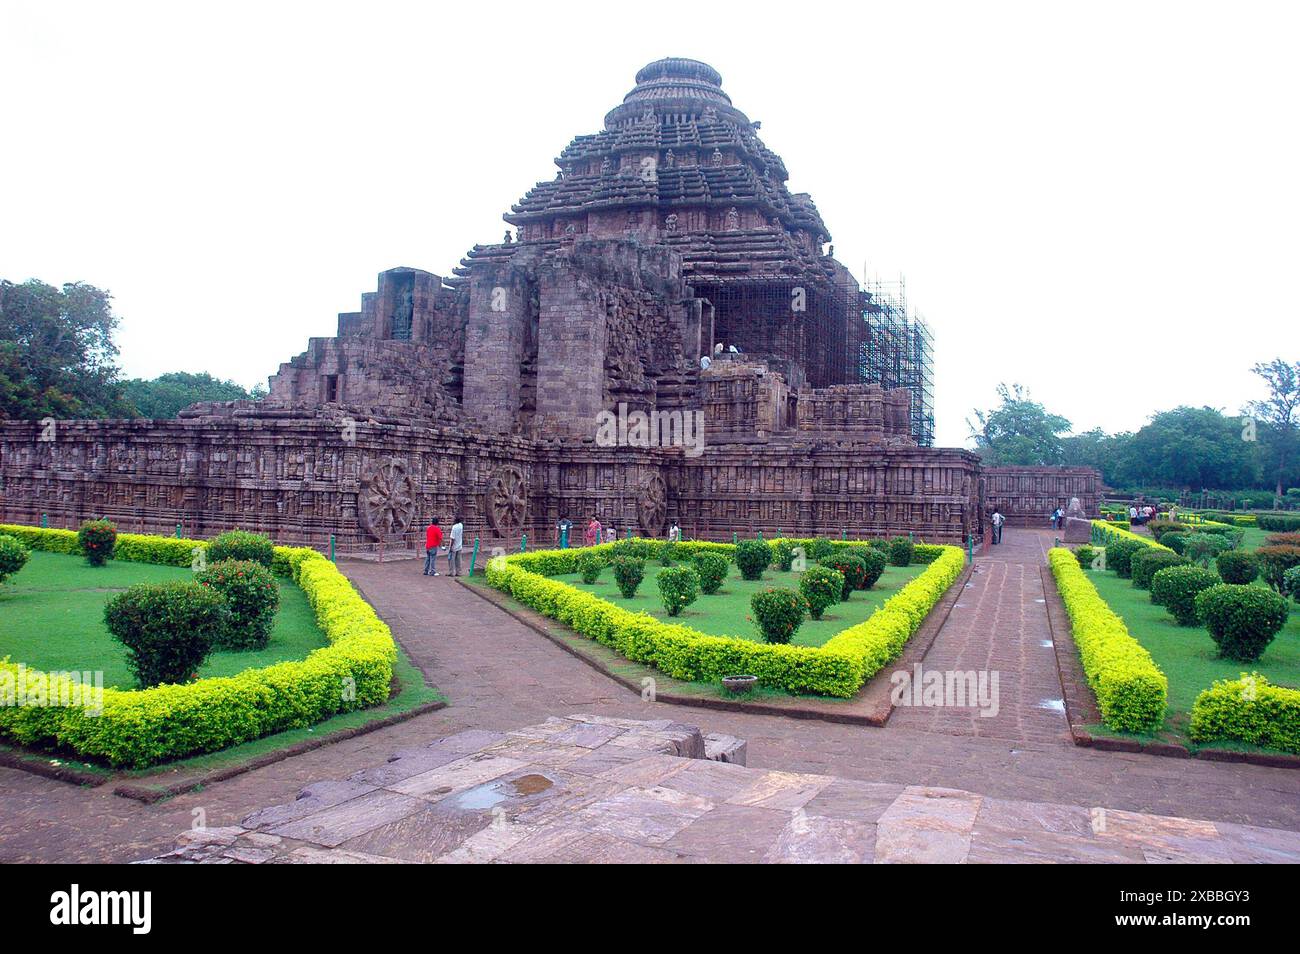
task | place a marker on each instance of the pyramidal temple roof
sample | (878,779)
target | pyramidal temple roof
(677,163)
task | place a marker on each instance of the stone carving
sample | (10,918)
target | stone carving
(733,219)
(652,505)
(1078,528)
(506,501)
(716,158)
(670,223)
(386,499)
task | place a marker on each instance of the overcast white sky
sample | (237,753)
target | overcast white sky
(1099,201)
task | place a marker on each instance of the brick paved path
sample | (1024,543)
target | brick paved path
(1000,625)
(499,674)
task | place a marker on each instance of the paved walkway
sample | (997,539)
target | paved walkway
(1000,626)
(586,788)
(500,675)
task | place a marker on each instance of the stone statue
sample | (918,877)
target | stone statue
(717,157)
(670,160)
(733,218)
(509,238)
(670,223)
(606,166)
(1078,528)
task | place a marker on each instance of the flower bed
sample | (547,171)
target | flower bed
(138,728)
(837,668)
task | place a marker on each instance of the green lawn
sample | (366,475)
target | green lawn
(726,613)
(52,618)
(1188,654)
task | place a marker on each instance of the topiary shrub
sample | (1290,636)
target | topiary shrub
(1159,528)
(636,549)
(712,568)
(97,539)
(851,568)
(241,545)
(1119,554)
(252,597)
(13,556)
(1273,564)
(1242,619)
(901,551)
(873,564)
(1282,540)
(778,613)
(1277,523)
(821,587)
(1202,548)
(753,557)
(1174,541)
(168,629)
(668,553)
(1175,588)
(628,574)
(819,549)
(1087,556)
(589,566)
(679,587)
(1237,566)
(1144,565)
(783,554)
(1291,582)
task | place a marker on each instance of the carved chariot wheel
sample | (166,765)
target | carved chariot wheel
(386,503)
(506,500)
(652,505)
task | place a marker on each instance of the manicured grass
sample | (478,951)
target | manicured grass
(1188,654)
(52,618)
(727,612)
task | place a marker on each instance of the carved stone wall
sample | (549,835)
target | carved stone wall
(1028,495)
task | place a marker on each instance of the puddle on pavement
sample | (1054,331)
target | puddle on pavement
(1045,643)
(491,794)
(1056,705)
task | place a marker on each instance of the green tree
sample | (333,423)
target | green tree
(1279,438)
(1190,447)
(1096,448)
(164,396)
(1020,431)
(57,357)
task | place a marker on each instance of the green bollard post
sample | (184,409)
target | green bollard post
(523,543)
(333,549)
(760,536)
(970,547)
(178,530)
(45,521)
(474,556)
(629,533)
(564,538)
(734,538)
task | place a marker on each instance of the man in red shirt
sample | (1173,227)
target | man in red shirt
(432,541)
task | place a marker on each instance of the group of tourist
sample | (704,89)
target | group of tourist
(1137,516)
(434,545)
(595,533)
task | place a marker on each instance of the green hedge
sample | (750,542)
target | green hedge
(1249,709)
(139,728)
(1132,693)
(838,668)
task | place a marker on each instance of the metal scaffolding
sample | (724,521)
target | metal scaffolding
(897,351)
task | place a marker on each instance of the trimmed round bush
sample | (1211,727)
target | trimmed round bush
(628,574)
(1202,548)
(1175,588)
(821,587)
(1175,541)
(783,554)
(1243,619)
(168,629)
(851,568)
(712,568)
(1086,555)
(1145,564)
(819,549)
(635,548)
(98,540)
(1274,563)
(241,545)
(1237,566)
(1119,554)
(679,587)
(1291,581)
(901,551)
(753,557)
(1159,528)
(252,598)
(13,556)
(873,563)
(778,613)
(589,566)
(668,553)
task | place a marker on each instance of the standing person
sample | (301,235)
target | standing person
(674,533)
(457,541)
(1132,514)
(563,530)
(997,520)
(432,542)
(592,536)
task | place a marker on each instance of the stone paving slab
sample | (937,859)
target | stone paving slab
(647,807)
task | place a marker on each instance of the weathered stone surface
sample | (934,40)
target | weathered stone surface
(332,826)
(725,748)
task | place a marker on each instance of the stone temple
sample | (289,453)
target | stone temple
(664,337)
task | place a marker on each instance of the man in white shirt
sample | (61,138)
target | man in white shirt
(997,520)
(453,552)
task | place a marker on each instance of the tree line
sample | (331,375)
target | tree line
(1184,448)
(58,359)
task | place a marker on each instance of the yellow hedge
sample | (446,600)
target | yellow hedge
(1132,693)
(138,728)
(838,668)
